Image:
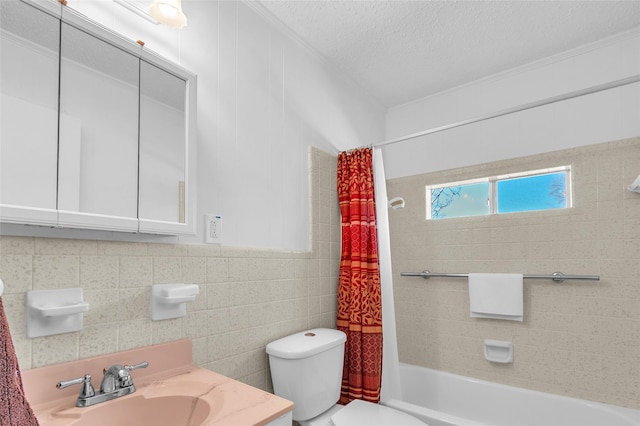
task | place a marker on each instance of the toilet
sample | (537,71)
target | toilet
(306,368)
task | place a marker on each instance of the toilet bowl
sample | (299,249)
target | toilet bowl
(306,368)
(362,413)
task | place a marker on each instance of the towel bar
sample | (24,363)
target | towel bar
(556,276)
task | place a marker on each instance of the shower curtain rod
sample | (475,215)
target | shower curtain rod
(575,94)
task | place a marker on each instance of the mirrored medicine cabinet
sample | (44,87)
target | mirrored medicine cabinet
(96,131)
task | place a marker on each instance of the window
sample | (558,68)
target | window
(518,192)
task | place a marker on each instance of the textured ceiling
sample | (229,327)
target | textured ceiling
(402,50)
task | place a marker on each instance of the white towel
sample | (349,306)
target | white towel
(497,296)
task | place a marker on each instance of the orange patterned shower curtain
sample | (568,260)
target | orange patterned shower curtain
(359,298)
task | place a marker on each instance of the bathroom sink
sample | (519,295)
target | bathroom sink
(174,410)
(171,392)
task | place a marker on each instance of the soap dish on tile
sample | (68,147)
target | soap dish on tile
(170,300)
(55,311)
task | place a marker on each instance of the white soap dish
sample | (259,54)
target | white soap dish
(169,300)
(498,351)
(55,311)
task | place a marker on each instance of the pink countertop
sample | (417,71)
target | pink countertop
(199,396)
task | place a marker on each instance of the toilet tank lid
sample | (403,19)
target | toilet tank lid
(306,343)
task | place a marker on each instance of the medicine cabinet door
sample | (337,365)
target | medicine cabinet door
(98,160)
(164,200)
(29,41)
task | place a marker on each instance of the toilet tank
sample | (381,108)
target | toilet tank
(306,368)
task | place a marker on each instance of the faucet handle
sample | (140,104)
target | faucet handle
(126,380)
(87,388)
(121,374)
(143,364)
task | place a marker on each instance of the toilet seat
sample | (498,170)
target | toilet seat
(362,413)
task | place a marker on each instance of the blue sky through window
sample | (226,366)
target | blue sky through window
(531,193)
(460,201)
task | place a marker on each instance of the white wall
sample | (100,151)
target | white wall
(590,119)
(263,99)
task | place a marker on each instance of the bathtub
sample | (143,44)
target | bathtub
(444,399)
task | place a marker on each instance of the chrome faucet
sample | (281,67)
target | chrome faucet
(116,382)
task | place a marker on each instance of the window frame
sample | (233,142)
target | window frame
(493,190)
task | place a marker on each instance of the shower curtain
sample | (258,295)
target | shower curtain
(359,294)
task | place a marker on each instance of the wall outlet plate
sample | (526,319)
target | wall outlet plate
(213,229)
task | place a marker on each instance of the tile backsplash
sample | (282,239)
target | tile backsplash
(247,298)
(578,338)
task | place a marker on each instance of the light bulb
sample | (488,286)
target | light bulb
(168,12)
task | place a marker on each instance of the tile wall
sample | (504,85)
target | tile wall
(578,338)
(247,297)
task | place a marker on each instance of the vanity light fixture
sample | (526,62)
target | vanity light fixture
(168,12)
(135,9)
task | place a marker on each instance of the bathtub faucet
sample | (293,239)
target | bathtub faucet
(116,382)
